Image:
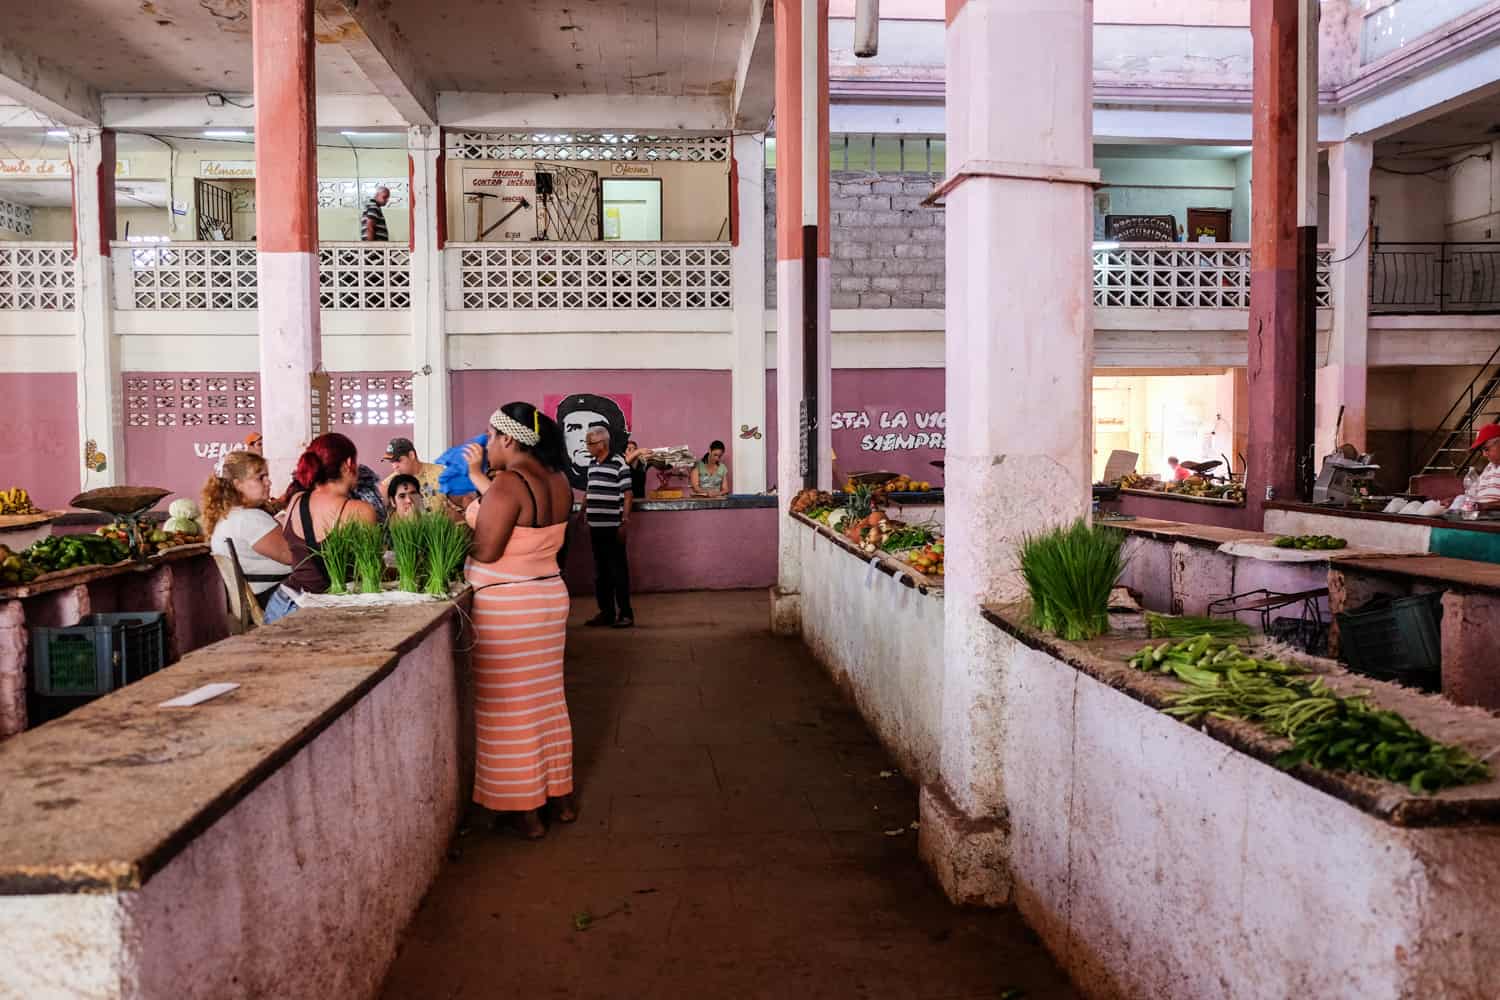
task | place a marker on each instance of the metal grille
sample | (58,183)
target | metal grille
(1435,278)
(588,277)
(192,401)
(214,276)
(215,210)
(36,276)
(1184,276)
(364,276)
(587,146)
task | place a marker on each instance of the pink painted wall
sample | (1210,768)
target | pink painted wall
(861,398)
(710,549)
(39,436)
(1167,509)
(668,407)
(179,424)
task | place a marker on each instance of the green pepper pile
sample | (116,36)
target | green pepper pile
(57,552)
(1327,730)
(1309,542)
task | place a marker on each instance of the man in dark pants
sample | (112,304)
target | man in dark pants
(606,508)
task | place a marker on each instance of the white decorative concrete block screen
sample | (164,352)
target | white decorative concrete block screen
(348,192)
(183,276)
(587,146)
(360,399)
(15,218)
(562,276)
(1184,276)
(36,276)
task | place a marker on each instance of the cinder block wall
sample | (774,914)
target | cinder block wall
(887,248)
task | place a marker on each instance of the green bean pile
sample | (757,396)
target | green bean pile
(1327,731)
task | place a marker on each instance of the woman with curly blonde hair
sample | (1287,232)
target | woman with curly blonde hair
(233,499)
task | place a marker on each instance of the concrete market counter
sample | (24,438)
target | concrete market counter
(1167,506)
(272,841)
(1474,540)
(879,634)
(1159,859)
(182,583)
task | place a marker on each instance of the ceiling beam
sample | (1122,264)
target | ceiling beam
(755,76)
(608,112)
(381,51)
(189,112)
(47,89)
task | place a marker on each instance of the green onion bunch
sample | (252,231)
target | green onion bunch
(337,549)
(1070,572)
(369,555)
(447,543)
(408,542)
(1192,626)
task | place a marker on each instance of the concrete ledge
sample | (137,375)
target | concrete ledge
(1155,861)
(271,842)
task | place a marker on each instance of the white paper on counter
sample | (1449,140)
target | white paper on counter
(199,695)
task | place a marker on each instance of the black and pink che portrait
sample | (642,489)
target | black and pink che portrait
(580,412)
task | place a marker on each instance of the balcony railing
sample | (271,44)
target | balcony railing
(37,276)
(197,276)
(1183,276)
(1435,278)
(594,276)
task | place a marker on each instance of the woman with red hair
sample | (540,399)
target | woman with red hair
(318,500)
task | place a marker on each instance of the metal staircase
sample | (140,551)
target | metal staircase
(1447,447)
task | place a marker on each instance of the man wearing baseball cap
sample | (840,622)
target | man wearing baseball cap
(1487,491)
(255,443)
(402,455)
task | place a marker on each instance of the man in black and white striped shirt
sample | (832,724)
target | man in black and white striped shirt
(606,507)
(372,223)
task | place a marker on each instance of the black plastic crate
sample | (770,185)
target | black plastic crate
(1306,634)
(1398,639)
(99,654)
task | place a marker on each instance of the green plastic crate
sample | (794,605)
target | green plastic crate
(99,654)
(1401,641)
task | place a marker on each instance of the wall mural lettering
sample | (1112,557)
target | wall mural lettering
(904,430)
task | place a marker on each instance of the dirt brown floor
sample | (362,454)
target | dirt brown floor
(742,836)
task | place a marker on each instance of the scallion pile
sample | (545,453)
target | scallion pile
(337,549)
(1192,626)
(1070,572)
(408,537)
(446,543)
(369,555)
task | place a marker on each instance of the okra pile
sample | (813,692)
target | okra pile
(1326,730)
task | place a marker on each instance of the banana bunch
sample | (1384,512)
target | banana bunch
(16,501)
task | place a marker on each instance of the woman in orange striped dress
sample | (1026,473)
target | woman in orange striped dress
(525,739)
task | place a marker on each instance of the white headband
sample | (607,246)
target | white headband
(505,424)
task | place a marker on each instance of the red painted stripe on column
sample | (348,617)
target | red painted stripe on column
(788,29)
(412,219)
(107,220)
(951,9)
(440,191)
(824,174)
(285,125)
(734,200)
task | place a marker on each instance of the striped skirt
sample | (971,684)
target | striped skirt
(525,739)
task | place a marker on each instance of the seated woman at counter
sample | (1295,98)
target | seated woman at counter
(322,496)
(710,477)
(637,458)
(234,511)
(404,496)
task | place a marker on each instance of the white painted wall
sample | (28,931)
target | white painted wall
(1239,221)
(1473,195)
(1410,206)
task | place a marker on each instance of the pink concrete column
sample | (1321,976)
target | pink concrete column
(1273,373)
(802,272)
(1019,347)
(1343,381)
(286,169)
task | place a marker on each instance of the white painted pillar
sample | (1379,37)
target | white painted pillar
(802,234)
(1343,379)
(748,270)
(1019,346)
(101,436)
(286,172)
(433,431)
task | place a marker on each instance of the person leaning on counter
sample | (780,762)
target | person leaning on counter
(1487,491)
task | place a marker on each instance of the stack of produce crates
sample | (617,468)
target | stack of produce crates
(99,654)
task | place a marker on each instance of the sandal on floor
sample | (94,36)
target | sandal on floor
(514,824)
(564,809)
